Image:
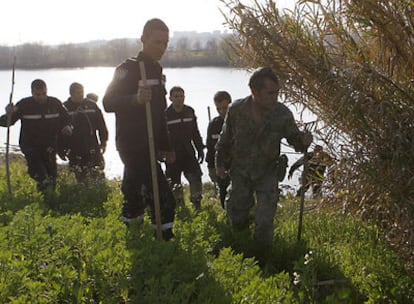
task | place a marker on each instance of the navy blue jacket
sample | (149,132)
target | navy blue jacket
(40,122)
(184,132)
(131,128)
(87,120)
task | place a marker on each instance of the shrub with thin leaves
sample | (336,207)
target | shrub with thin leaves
(350,62)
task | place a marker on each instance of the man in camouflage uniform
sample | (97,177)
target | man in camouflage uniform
(251,135)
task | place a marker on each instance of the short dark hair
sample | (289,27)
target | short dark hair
(92,96)
(257,79)
(222,95)
(176,89)
(74,86)
(38,84)
(153,25)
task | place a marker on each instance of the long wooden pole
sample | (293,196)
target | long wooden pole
(9,117)
(302,193)
(153,161)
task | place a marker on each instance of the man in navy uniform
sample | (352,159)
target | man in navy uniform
(185,136)
(222,100)
(126,97)
(84,150)
(42,119)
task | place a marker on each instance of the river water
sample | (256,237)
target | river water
(199,83)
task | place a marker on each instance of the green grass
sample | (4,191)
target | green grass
(72,248)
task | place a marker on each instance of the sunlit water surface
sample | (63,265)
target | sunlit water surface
(200,85)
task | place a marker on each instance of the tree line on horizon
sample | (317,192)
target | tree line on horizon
(184,52)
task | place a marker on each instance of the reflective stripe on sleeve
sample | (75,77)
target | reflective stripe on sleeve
(164,226)
(39,116)
(33,116)
(89,111)
(55,115)
(171,122)
(175,121)
(82,111)
(151,82)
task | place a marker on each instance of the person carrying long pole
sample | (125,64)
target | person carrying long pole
(138,99)
(250,137)
(9,115)
(42,118)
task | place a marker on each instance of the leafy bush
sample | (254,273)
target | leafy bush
(52,254)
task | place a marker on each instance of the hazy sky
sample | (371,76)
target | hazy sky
(55,21)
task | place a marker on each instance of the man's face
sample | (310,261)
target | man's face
(39,95)
(177,99)
(77,94)
(222,107)
(266,97)
(155,44)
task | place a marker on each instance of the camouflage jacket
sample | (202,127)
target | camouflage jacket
(254,148)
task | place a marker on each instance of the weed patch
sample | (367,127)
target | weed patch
(72,248)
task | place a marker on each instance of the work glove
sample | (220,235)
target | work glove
(200,156)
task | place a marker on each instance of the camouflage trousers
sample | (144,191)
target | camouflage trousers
(243,194)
